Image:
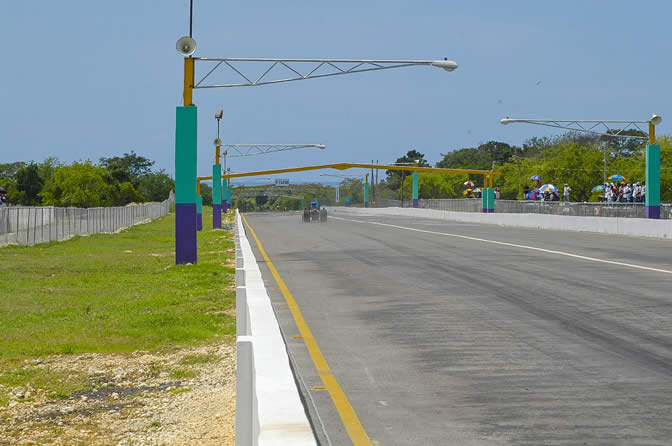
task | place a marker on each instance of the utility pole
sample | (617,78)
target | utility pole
(373,188)
(520,179)
(604,146)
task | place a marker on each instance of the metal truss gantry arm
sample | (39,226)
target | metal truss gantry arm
(261,149)
(595,127)
(275,71)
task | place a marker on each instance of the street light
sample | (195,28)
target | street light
(186,116)
(601,128)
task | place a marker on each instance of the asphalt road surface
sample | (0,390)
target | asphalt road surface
(438,336)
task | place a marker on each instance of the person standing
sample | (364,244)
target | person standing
(526,192)
(497,193)
(627,194)
(637,192)
(566,191)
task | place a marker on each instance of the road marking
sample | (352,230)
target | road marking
(350,420)
(533,248)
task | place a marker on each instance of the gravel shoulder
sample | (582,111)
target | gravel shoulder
(184,396)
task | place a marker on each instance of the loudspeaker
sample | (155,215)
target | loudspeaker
(186,46)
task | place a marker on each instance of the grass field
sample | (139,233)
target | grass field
(111,293)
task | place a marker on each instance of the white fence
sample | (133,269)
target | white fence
(21,225)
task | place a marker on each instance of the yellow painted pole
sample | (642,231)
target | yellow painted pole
(652,133)
(198,187)
(217,154)
(188,80)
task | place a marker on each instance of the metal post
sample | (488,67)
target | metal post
(185,177)
(652,197)
(366,191)
(415,189)
(199,213)
(216,196)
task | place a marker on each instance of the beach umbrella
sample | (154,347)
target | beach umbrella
(3,190)
(616,178)
(548,188)
(467,192)
(469,183)
(478,189)
(535,178)
(599,188)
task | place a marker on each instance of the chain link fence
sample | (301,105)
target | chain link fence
(625,210)
(21,225)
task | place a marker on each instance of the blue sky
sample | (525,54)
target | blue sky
(87,79)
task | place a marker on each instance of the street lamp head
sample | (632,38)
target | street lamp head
(446,64)
(321,146)
(219,114)
(186,46)
(506,121)
(655,119)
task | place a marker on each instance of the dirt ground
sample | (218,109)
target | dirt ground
(184,397)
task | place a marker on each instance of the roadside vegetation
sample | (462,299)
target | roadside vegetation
(114,181)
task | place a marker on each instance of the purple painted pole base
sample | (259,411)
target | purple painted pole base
(653,212)
(216,216)
(366,204)
(488,211)
(199,222)
(415,202)
(185,233)
(225,206)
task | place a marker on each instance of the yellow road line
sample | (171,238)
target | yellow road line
(352,424)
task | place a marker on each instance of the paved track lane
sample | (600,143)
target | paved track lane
(441,340)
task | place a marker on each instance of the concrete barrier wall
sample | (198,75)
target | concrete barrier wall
(269,410)
(638,227)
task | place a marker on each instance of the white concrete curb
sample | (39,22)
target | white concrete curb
(637,227)
(269,410)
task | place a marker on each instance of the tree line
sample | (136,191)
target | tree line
(114,181)
(575,159)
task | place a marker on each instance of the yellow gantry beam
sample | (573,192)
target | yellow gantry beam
(279,187)
(487,174)
(344,166)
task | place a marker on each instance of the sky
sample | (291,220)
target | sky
(90,79)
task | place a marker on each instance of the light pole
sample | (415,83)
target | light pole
(217,198)
(186,119)
(601,128)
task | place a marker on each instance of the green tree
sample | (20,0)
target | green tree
(81,185)
(156,186)
(206,194)
(29,184)
(129,167)
(395,177)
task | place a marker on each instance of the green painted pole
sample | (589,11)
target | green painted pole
(366,195)
(415,189)
(216,196)
(652,197)
(185,181)
(199,212)
(488,200)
